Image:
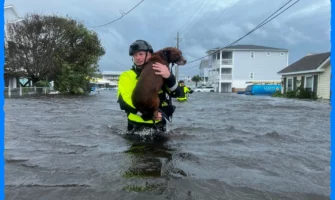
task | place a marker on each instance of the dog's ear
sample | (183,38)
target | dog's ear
(166,52)
(166,55)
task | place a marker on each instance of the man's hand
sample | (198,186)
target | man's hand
(161,69)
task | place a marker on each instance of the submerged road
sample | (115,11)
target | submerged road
(221,146)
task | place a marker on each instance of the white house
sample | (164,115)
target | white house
(111,75)
(233,67)
(204,70)
(313,72)
(11,16)
(184,77)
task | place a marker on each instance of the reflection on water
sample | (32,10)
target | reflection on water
(147,159)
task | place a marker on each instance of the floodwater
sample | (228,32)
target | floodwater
(221,146)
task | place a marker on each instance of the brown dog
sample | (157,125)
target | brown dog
(145,95)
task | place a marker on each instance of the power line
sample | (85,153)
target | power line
(122,15)
(267,20)
(192,15)
(199,13)
(198,65)
(187,30)
(224,10)
(118,62)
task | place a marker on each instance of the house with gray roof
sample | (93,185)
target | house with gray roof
(233,68)
(313,72)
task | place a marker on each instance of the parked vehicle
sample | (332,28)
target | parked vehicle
(262,89)
(204,89)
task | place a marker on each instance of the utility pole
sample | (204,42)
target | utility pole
(177,67)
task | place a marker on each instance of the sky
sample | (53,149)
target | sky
(202,25)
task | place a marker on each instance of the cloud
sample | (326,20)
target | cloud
(159,21)
(295,37)
(310,10)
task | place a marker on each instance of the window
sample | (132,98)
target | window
(289,84)
(251,76)
(309,83)
(268,53)
(252,54)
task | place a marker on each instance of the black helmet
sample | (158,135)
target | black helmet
(140,45)
(181,81)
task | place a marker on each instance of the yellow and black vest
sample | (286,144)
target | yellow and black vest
(126,86)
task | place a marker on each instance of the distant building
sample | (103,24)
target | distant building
(11,16)
(312,72)
(204,70)
(233,67)
(111,75)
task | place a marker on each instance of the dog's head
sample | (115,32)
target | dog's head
(173,55)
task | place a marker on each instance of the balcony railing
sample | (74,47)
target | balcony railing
(226,77)
(215,64)
(226,61)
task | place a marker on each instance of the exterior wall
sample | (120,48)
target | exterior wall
(324,83)
(298,82)
(301,79)
(204,70)
(263,66)
(11,82)
(204,73)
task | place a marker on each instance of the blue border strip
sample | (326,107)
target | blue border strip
(2,138)
(332,113)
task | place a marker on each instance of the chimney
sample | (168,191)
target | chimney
(309,54)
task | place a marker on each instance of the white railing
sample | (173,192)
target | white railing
(26,91)
(226,61)
(216,64)
(226,76)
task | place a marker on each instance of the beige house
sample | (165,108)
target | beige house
(313,72)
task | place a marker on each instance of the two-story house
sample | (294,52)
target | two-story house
(204,70)
(237,65)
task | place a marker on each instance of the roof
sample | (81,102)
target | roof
(249,47)
(11,7)
(111,72)
(307,63)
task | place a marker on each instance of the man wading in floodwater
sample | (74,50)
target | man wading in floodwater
(141,52)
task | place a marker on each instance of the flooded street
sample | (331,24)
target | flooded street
(221,146)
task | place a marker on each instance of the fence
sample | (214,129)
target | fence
(26,91)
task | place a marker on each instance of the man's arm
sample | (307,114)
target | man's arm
(169,79)
(190,90)
(173,86)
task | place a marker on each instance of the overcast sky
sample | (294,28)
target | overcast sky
(203,24)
